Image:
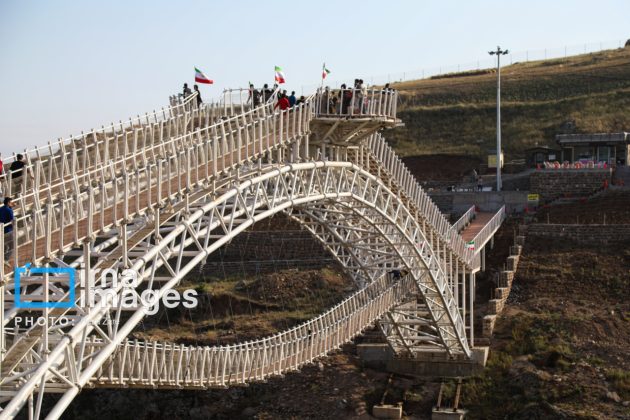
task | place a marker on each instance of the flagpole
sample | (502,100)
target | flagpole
(322,76)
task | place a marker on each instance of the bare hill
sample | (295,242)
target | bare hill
(456,113)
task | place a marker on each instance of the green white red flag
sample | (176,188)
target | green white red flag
(201,78)
(325,71)
(279,75)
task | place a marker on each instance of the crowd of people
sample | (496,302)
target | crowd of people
(187,92)
(342,101)
(257,97)
(347,99)
(282,99)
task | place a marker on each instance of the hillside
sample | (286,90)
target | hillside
(456,113)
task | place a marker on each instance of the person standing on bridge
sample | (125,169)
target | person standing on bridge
(254,96)
(16,170)
(292,99)
(283,103)
(199,101)
(364,94)
(6,217)
(358,95)
(345,95)
(186,92)
(267,92)
(479,184)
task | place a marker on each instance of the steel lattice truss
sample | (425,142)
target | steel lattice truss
(366,219)
(192,194)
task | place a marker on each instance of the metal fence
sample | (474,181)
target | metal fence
(356,103)
(72,214)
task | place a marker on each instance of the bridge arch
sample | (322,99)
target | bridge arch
(316,190)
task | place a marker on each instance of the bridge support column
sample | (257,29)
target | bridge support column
(304,149)
(483,259)
(456,283)
(471,300)
(87,285)
(3,348)
(463,294)
(124,244)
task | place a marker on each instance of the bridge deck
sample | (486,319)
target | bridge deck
(480,221)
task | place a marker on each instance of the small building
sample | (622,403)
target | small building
(541,154)
(601,147)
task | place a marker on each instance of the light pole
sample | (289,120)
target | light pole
(499,52)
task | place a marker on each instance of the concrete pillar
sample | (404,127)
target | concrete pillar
(483,259)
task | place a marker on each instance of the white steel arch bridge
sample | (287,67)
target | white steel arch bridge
(160,193)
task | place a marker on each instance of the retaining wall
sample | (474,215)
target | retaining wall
(504,286)
(273,244)
(555,183)
(582,233)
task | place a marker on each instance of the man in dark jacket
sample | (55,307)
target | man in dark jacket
(17,170)
(6,217)
(199,101)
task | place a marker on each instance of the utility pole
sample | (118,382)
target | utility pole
(499,52)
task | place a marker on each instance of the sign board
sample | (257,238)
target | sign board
(492,160)
(533,197)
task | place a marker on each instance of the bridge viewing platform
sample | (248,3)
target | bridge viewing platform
(158,194)
(344,117)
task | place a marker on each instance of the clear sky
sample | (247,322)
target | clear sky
(67,66)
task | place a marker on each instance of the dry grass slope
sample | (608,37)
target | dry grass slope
(456,114)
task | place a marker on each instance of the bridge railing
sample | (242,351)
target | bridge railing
(489,229)
(428,209)
(466,218)
(137,363)
(180,164)
(356,103)
(125,151)
(67,157)
(235,101)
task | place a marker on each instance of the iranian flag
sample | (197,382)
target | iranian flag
(325,71)
(279,75)
(471,245)
(201,78)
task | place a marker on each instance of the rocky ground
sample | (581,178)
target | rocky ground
(337,387)
(560,349)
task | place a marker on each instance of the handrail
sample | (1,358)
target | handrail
(285,350)
(38,152)
(199,155)
(138,157)
(356,103)
(488,230)
(67,156)
(466,218)
(428,209)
